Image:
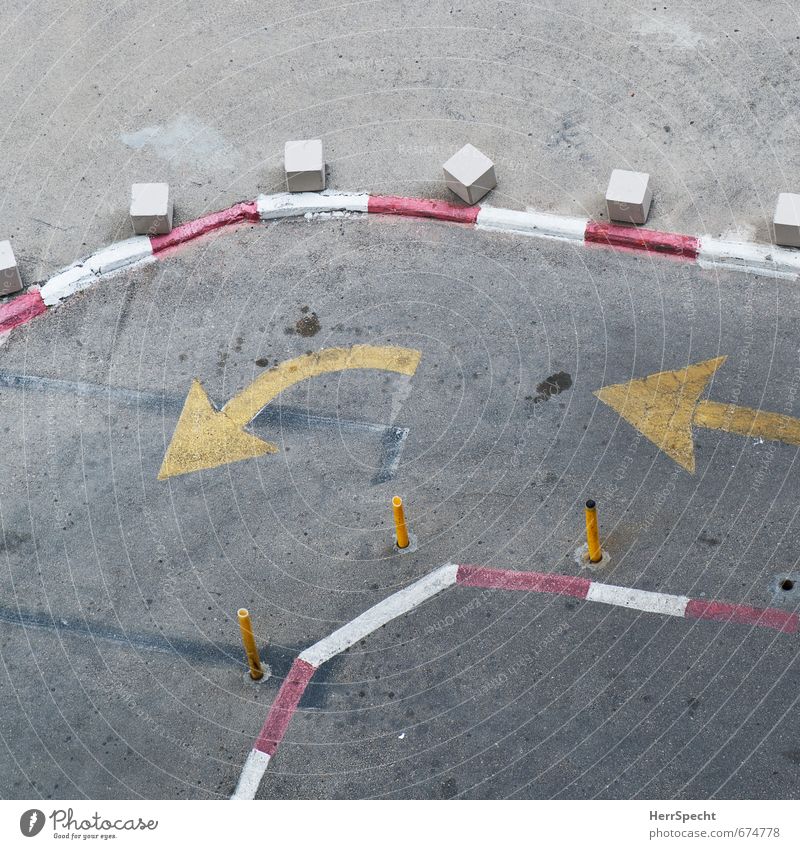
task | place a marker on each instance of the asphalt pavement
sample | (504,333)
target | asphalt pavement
(123,675)
(120,642)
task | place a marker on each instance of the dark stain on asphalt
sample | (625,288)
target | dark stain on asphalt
(11,541)
(550,386)
(708,540)
(204,651)
(308,325)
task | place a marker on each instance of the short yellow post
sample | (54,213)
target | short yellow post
(253,660)
(400,522)
(592,533)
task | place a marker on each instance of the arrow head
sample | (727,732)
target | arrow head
(661,406)
(205,438)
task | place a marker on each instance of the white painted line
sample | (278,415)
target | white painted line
(764,260)
(670,605)
(401,602)
(66,283)
(77,277)
(286,205)
(532,223)
(119,255)
(390,608)
(252,772)
(328,216)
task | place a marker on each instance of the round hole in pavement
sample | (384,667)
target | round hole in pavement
(787,584)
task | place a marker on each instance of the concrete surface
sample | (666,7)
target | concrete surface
(122,672)
(127,678)
(556,94)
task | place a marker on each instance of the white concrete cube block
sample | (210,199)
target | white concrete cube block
(10,280)
(469,174)
(151,209)
(304,162)
(787,220)
(629,196)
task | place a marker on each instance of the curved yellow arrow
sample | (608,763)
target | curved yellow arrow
(665,406)
(205,437)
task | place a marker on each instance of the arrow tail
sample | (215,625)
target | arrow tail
(249,402)
(747,422)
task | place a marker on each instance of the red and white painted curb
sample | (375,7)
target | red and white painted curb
(307,663)
(708,252)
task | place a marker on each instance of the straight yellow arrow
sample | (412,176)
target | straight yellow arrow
(665,406)
(206,437)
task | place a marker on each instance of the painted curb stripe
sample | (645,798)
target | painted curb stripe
(634,238)
(720,611)
(284,706)
(119,255)
(295,204)
(252,772)
(764,260)
(67,283)
(21,309)
(422,208)
(507,579)
(236,214)
(532,223)
(706,251)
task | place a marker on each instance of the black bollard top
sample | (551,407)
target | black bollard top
(590,504)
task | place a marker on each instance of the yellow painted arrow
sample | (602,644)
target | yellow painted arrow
(665,406)
(206,437)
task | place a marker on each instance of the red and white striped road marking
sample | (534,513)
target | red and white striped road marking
(644,600)
(237,214)
(291,691)
(303,669)
(21,310)
(708,252)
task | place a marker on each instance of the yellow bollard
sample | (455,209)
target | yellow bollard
(253,660)
(400,522)
(592,533)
